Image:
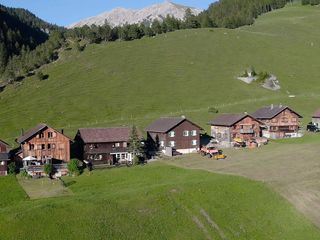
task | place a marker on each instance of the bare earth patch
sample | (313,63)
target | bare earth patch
(291,169)
(43,188)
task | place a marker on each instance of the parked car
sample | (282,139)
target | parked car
(312,127)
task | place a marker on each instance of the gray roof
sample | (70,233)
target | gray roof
(4,157)
(105,135)
(271,111)
(30,133)
(227,119)
(165,124)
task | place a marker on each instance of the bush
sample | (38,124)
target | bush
(12,168)
(73,167)
(24,173)
(40,75)
(48,169)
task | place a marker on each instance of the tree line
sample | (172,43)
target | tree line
(21,53)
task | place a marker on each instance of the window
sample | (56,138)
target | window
(171,134)
(172,143)
(53,146)
(31,146)
(2,163)
(161,143)
(43,146)
(274,120)
(41,135)
(50,134)
(125,145)
(39,147)
(186,133)
(49,146)
(117,144)
(285,119)
(194,142)
(294,120)
(194,133)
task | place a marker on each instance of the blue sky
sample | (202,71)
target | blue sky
(65,12)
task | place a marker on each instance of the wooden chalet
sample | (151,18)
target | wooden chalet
(44,145)
(177,133)
(279,121)
(103,145)
(4,157)
(230,128)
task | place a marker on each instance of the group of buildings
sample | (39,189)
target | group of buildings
(46,145)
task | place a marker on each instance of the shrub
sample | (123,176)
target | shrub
(73,167)
(40,75)
(12,168)
(24,173)
(48,169)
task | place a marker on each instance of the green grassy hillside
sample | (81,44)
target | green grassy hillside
(155,202)
(184,72)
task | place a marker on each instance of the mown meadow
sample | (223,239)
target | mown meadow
(155,201)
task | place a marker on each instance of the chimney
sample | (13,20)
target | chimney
(271,107)
(62,131)
(280,105)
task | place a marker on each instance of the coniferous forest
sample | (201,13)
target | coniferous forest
(27,42)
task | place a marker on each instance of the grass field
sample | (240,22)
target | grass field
(184,72)
(290,167)
(156,201)
(43,188)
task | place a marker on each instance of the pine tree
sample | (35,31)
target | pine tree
(135,146)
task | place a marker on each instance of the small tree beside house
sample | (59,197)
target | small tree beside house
(135,147)
(73,167)
(48,170)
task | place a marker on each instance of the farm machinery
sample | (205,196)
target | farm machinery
(212,152)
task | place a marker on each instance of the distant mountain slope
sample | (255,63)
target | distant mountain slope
(20,30)
(121,16)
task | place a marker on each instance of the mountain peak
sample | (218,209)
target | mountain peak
(120,16)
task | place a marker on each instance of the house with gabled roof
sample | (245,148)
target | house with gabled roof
(227,129)
(279,121)
(177,133)
(103,145)
(4,157)
(44,145)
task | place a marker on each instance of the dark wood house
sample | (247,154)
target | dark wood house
(279,121)
(44,145)
(4,157)
(316,118)
(229,128)
(103,145)
(178,133)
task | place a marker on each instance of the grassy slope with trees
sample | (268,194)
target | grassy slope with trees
(154,202)
(183,72)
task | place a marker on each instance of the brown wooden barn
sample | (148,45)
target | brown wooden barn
(103,145)
(279,121)
(44,145)
(226,128)
(177,133)
(4,158)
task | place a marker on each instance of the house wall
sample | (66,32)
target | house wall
(316,121)
(282,125)
(3,148)
(60,146)
(183,144)
(103,153)
(3,168)
(246,129)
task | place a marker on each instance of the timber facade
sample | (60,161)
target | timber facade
(279,122)
(4,158)
(103,145)
(227,128)
(180,134)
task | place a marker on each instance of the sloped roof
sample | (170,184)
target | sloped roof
(4,157)
(228,119)
(316,114)
(271,111)
(104,135)
(4,143)
(30,133)
(165,124)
